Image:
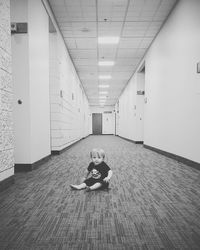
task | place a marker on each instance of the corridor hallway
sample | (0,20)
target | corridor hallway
(152,203)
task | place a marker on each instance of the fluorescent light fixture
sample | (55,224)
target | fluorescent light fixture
(106,63)
(105,77)
(103,92)
(104,86)
(102,97)
(108,39)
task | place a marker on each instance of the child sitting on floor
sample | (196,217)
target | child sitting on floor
(99,172)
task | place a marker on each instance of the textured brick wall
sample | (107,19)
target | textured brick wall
(69,106)
(6,92)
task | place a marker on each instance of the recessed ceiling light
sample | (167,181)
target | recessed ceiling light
(106,63)
(104,86)
(108,39)
(105,77)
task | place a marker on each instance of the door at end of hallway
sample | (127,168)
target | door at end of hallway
(97,123)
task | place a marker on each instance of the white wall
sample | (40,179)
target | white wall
(22,152)
(171,118)
(108,123)
(139,136)
(108,119)
(21,92)
(131,108)
(70,114)
(30,55)
(38,22)
(6,95)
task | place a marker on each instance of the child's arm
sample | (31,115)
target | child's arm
(107,178)
(86,176)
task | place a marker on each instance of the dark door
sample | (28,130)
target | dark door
(97,124)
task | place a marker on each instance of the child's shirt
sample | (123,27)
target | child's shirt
(99,171)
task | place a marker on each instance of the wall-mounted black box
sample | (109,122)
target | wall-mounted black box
(19,28)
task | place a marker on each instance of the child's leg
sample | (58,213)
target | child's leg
(94,187)
(78,187)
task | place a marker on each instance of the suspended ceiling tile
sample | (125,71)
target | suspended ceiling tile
(80,2)
(62,19)
(84,69)
(107,53)
(108,46)
(94,93)
(88,75)
(107,16)
(135,29)
(105,70)
(127,61)
(109,28)
(147,16)
(59,10)
(126,53)
(86,43)
(130,43)
(58,2)
(67,33)
(83,54)
(89,82)
(79,30)
(117,82)
(112,10)
(123,68)
(121,75)
(85,62)
(113,4)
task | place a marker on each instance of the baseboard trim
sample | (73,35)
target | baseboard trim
(58,152)
(29,167)
(6,183)
(178,158)
(136,142)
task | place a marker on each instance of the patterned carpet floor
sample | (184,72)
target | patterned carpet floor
(153,203)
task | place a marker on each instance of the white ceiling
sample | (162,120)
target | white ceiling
(81,22)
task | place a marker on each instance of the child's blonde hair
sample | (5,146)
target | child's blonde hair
(97,151)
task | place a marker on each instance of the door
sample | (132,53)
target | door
(97,124)
(108,123)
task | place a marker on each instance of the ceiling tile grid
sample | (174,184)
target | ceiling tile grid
(135,22)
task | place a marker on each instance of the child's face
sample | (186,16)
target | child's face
(97,159)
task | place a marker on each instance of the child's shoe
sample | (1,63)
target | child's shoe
(74,187)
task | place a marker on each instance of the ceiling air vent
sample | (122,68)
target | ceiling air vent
(107,112)
(85,30)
